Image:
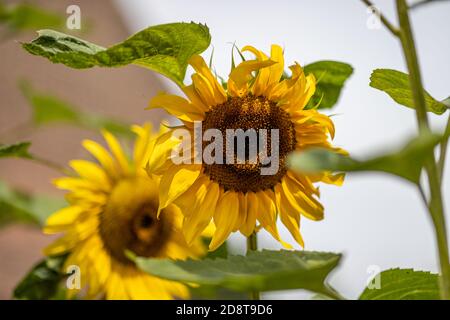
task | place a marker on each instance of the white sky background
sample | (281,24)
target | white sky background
(373,219)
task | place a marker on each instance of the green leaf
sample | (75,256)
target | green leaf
(320,296)
(214,292)
(331,76)
(404,284)
(396,85)
(163,48)
(446,102)
(18,150)
(220,252)
(48,109)
(406,163)
(259,271)
(42,282)
(17,206)
(28,17)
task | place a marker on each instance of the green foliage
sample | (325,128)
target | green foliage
(163,48)
(331,77)
(214,292)
(404,284)
(446,102)
(17,206)
(48,109)
(258,271)
(220,252)
(17,150)
(406,163)
(396,85)
(26,16)
(42,282)
(320,296)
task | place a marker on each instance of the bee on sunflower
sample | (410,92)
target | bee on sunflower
(236,196)
(113,206)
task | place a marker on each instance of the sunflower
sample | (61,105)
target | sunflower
(236,196)
(113,205)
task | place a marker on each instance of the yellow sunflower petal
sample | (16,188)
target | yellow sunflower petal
(177,106)
(242,211)
(288,215)
(205,196)
(210,228)
(176,289)
(115,287)
(103,156)
(276,71)
(200,67)
(251,213)
(62,219)
(325,121)
(102,263)
(136,286)
(195,99)
(117,151)
(205,90)
(162,150)
(143,145)
(92,172)
(260,84)
(267,215)
(301,202)
(336,179)
(156,288)
(310,88)
(94,270)
(225,217)
(75,184)
(87,198)
(242,74)
(267,77)
(196,224)
(61,245)
(176,180)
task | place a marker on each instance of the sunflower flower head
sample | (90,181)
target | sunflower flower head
(113,207)
(236,196)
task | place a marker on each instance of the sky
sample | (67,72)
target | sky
(377,221)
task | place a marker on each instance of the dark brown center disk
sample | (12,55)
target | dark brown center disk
(131,223)
(245,113)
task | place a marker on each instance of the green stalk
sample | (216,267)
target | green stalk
(52,165)
(444,143)
(252,245)
(384,20)
(435,205)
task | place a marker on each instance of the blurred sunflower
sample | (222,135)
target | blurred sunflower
(112,209)
(236,196)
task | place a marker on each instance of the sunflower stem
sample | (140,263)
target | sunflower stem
(395,31)
(332,293)
(252,245)
(435,205)
(443,151)
(52,165)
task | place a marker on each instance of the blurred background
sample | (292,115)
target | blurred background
(375,220)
